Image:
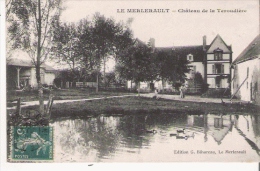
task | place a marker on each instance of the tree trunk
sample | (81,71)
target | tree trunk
(162,85)
(138,88)
(97,84)
(49,106)
(104,72)
(38,64)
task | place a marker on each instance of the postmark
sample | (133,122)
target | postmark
(31,144)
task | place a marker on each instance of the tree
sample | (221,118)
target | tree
(111,78)
(65,49)
(171,67)
(164,66)
(86,47)
(137,64)
(104,31)
(97,40)
(110,38)
(30,29)
(199,81)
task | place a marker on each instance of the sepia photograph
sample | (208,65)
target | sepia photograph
(131,81)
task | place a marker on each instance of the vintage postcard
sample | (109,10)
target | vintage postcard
(132,81)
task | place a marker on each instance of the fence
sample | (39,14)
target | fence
(194,90)
(86,84)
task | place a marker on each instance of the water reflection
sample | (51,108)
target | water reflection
(130,138)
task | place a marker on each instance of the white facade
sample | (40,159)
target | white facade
(46,77)
(211,56)
(211,67)
(247,76)
(212,82)
(49,78)
(195,67)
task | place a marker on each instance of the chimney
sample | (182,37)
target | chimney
(204,42)
(152,44)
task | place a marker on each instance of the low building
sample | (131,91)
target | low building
(22,72)
(246,68)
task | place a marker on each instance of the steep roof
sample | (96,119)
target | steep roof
(183,51)
(26,63)
(139,42)
(218,43)
(250,52)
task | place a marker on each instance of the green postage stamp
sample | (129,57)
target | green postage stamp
(31,144)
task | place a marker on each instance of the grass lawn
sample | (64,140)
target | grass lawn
(63,94)
(142,105)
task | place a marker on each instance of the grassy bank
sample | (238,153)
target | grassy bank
(63,94)
(142,105)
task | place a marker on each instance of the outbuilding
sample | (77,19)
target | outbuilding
(246,68)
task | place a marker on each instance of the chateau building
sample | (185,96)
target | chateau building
(211,61)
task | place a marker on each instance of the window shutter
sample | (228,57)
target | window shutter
(222,69)
(213,69)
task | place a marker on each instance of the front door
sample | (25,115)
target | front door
(218,82)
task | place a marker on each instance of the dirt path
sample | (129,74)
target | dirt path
(192,98)
(32,103)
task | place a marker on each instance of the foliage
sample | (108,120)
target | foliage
(72,48)
(65,48)
(88,44)
(137,64)
(171,67)
(111,78)
(198,79)
(30,29)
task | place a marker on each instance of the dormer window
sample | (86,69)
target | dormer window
(190,57)
(218,54)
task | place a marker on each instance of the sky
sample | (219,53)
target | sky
(177,28)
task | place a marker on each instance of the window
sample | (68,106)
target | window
(218,54)
(190,57)
(218,69)
(192,68)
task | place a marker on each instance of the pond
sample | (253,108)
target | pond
(158,138)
